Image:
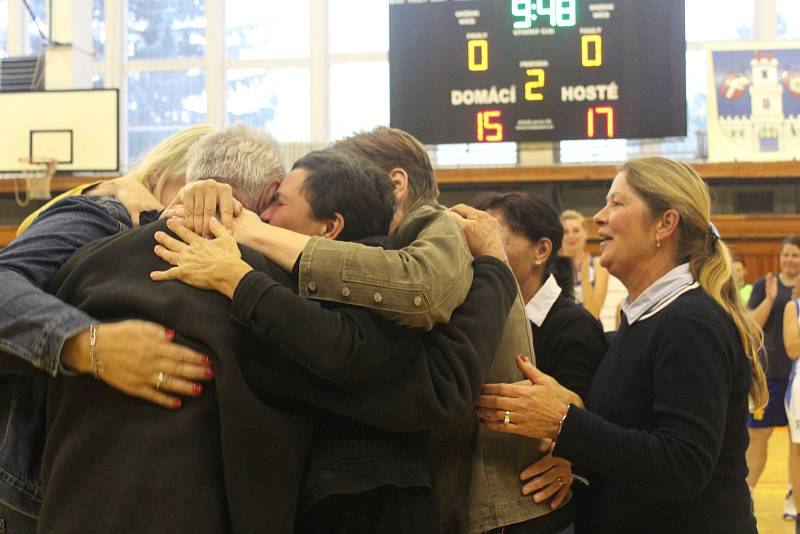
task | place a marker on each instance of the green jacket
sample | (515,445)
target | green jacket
(476,471)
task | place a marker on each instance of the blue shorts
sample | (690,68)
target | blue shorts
(775,412)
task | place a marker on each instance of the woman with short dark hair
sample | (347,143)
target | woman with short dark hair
(568,341)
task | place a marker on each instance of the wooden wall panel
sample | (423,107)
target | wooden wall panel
(570,173)
(7,233)
(550,173)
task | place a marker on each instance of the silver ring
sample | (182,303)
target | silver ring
(507,418)
(160,380)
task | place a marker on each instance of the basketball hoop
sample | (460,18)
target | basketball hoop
(37,176)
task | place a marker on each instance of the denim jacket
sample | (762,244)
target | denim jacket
(33,328)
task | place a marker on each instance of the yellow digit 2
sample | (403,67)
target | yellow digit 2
(586,59)
(473,47)
(533,85)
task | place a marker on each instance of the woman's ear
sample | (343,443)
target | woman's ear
(333,226)
(668,223)
(544,248)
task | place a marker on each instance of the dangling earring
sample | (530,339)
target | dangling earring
(658,242)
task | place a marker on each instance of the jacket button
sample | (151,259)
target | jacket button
(378,297)
(418,301)
(345,291)
(312,287)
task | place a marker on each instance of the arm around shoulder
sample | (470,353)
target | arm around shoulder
(418,285)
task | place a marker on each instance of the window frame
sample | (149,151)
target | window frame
(115,66)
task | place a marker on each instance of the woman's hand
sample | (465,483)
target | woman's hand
(140,359)
(246,228)
(130,193)
(586,264)
(484,234)
(548,477)
(771,286)
(533,411)
(535,376)
(201,200)
(206,264)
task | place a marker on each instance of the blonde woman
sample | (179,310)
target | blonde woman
(663,437)
(591,279)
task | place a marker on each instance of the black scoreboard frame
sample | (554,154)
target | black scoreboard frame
(460,71)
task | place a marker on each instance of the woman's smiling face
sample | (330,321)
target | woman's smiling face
(627,231)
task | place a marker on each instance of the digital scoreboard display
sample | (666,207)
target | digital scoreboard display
(466,71)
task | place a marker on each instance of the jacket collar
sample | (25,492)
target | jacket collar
(539,306)
(659,294)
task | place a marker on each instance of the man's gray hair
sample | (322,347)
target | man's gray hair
(240,156)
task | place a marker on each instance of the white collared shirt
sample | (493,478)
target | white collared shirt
(663,291)
(539,306)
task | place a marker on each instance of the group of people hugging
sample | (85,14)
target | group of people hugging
(210,344)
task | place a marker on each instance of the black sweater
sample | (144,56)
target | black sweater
(569,345)
(666,434)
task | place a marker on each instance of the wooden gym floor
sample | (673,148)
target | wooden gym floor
(771,489)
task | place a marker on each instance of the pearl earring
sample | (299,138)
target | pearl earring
(658,242)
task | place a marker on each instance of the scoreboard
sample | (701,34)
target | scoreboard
(466,71)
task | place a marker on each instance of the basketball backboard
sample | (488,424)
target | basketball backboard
(79,129)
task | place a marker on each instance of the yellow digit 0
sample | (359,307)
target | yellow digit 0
(597,41)
(472,50)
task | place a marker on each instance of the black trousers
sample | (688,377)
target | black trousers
(383,510)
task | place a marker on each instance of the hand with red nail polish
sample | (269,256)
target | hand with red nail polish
(140,359)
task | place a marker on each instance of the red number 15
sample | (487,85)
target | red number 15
(487,124)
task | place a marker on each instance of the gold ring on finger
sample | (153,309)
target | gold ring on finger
(160,380)
(507,418)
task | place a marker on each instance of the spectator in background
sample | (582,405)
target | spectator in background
(739,274)
(591,279)
(767,302)
(791,340)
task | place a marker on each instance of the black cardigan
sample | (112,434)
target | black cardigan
(236,457)
(666,432)
(569,345)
